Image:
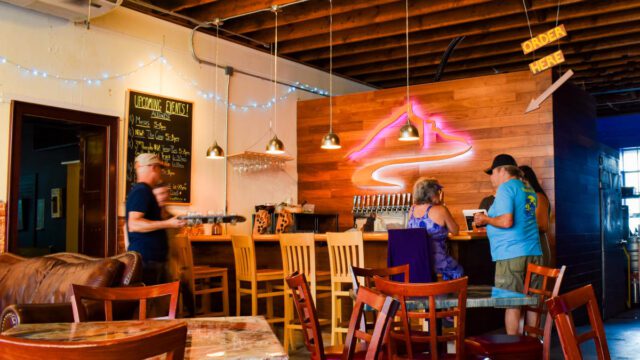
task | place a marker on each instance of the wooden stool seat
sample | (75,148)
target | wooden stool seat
(200,269)
(269,274)
(503,346)
(244,253)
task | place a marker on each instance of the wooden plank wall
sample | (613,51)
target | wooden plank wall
(488,111)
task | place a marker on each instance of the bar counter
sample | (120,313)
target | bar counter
(471,249)
(368,236)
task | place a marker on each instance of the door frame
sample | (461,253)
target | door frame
(19,110)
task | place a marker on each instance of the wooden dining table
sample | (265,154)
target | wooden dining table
(478,296)
(243,337)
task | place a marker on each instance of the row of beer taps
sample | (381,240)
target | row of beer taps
(377,203)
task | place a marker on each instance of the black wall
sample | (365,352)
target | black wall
(578,240)
(43,166)
(576,184)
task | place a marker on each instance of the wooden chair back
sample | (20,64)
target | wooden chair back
(299,255)
(550,277)
(307,314)
(244,254)
(109,295)
(368,273)
(386,308)
(431,291)
(170,340)
(346,249)
(561,308)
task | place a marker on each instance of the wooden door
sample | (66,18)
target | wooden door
(613,260)
(98,175)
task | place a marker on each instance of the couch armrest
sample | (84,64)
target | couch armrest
(14,315)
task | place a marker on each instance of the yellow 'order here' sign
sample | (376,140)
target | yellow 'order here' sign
(547,62)
(543,39)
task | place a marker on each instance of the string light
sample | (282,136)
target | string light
(204,93)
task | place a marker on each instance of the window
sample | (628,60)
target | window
(630,166)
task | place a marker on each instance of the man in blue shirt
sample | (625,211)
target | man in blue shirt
(512,230)
(145,225)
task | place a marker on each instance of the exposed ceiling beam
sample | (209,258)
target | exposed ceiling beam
(226,9)
(480,13)
(509,48)
(299,13)
(605,22)
(185,4)
(372,15)
(513,63)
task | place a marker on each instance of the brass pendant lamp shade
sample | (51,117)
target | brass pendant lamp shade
(408,132)
(275,146)
(331,141)
(215,152)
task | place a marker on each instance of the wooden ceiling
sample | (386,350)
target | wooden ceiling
(602,48)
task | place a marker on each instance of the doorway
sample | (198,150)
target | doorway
(62,182)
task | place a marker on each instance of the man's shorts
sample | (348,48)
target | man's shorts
(510,273)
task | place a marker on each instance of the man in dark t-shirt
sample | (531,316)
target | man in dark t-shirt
(145,226)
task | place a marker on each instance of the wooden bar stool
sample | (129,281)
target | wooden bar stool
(345,250)
(244,253)
(299,254)
(203,280)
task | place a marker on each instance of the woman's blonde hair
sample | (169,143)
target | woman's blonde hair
(424,190)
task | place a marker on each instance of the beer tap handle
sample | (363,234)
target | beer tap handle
(408,201)
(367,203)
(393,202)
(355,202)
(388,207)
(359,205)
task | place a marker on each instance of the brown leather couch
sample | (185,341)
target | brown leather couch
(38,290)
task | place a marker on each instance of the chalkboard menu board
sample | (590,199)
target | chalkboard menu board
(161,126)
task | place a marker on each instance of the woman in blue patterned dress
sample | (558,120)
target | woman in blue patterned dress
(429,212)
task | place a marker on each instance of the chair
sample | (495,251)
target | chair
(109,295)
(411,246)
(527,345)
(246,271)
(306,310)
(560,308)
(345,250)
(299,255)
(170,340)
(202,280)
(432,338)
(368,273)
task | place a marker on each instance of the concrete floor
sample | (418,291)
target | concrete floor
(623,338)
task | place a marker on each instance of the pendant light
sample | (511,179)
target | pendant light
(275,145)
(331,141)
(215,151)
(408,132)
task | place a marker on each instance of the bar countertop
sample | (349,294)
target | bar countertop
(368,236)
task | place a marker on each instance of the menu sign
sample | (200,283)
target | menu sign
(162,126)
